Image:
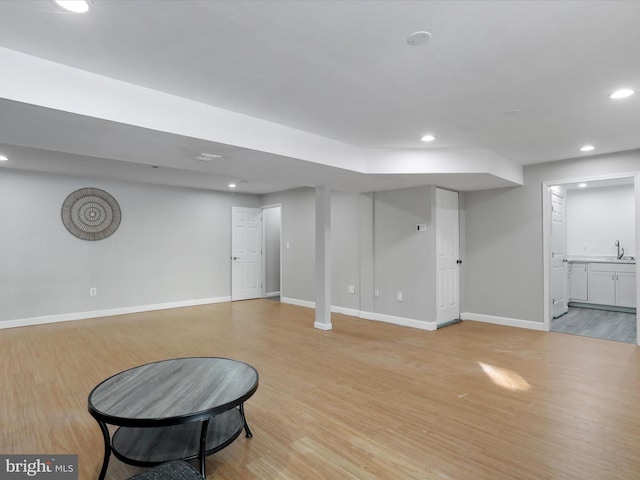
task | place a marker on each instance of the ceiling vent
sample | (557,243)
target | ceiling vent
(207,157)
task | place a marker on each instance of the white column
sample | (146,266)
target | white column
(323,259)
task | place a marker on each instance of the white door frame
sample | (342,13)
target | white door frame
(264,256)
(546,236)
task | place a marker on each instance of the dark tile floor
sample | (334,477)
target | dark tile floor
(598,324)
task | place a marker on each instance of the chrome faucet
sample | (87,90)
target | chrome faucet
(620,254)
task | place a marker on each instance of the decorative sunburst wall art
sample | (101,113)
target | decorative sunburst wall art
(91,214)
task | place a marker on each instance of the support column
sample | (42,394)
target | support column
(323,259)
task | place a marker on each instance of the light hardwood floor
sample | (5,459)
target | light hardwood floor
(366,400)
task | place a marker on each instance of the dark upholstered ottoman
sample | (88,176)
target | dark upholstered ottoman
(176,470)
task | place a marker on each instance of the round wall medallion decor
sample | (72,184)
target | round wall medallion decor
(91,214)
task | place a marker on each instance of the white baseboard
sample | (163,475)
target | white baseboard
(271,294)
(308,304)
(67,317)
(300,303)
(322,326)
(404,322)
(345,311)
(509,322)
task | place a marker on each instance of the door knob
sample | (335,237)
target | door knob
(235,258)
(458,262)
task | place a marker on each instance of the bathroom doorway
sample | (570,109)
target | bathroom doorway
(599,251)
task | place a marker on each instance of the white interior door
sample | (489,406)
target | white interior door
(447,256)
(558,255)
(246,253)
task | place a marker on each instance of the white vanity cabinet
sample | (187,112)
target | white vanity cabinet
(578,281)
(612,284)
(626,289)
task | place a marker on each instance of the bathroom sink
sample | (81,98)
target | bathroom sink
(602,259)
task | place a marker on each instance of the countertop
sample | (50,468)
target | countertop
(595,259)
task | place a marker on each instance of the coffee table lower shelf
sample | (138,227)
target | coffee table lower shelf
(145,447)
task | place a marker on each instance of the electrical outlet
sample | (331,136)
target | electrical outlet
(93,292)
(351,289)
(376,293)
(399,296)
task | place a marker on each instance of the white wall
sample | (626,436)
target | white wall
(172,246)
(597,217)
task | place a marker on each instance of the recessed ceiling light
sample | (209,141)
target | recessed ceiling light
(232,185)
(418,38)
(3,158)
(622,93)
(207,157)
(583,185)
(587,148)
(74,6)
(428,138)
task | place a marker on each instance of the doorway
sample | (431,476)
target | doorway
(599,215)
(272,248)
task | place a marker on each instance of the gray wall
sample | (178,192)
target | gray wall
(298,260)
(504,267)
(173,245)
(345,250)
(367,242)
(298,230)
(404,259)
(374,244)
(271,222)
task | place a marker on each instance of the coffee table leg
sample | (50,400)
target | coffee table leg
(203,446)
(247,430)
(107,449)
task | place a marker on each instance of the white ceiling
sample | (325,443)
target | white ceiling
(526,81)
